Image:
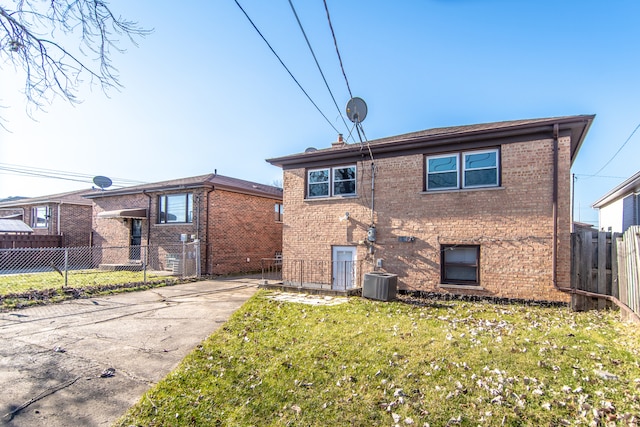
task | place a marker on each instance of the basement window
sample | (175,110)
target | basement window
(460,264)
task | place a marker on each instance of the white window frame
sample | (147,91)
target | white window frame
(457,171)
(34,217)
(461,169)
(496,167)
(331,181)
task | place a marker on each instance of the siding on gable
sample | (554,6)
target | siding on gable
(629,211)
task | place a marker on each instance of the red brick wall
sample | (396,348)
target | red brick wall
(112,232)
(74,224)
(513,224)
(239,227)
(242,231)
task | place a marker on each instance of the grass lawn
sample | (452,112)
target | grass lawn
(371,363)
(20,290)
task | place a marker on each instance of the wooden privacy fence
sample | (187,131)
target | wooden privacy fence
(12,241)
(604,270)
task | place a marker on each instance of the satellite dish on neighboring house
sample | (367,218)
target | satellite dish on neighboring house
(310,150)
(356,110)
(102,182)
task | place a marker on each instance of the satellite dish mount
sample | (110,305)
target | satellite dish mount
(102,182)
(356,110)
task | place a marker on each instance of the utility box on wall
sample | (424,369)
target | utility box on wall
(380,286)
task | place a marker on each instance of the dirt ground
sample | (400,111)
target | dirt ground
(85,362)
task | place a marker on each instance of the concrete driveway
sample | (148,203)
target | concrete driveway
(85,362)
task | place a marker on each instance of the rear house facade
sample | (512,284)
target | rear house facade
(233,220)
(479,209)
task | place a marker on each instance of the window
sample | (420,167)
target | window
(175,208)
(442,172)
(40,217)
(459,265)
(471,169)
(279,208)
(338,181)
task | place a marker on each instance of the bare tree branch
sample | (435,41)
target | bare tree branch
(37,35)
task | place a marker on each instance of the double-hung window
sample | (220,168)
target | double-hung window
(328,182)
(40,217)
(470,169)
(175,208)
(460,265)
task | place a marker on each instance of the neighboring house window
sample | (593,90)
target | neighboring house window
(40,217)
(175,208)
(279,208)
(471,169)
(460,265)
(338,181)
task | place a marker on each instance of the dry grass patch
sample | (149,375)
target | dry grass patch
(371,363)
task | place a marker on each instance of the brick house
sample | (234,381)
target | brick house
(67,215)
(237,222)
(619,209)
(479,209)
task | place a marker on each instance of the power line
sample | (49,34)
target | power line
(20,170)
(614,156)
(285,67)
(317,64)
(335,43)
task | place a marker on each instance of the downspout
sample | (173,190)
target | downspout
(207,268)
(554,249)
(148,218)
(555,206)
(623,307)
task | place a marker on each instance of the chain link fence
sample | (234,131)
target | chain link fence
(25,269)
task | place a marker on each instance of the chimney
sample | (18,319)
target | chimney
(339,142)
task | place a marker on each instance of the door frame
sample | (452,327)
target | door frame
(343,276)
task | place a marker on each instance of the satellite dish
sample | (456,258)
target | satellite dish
(102,182)
(356,110)
(310,150)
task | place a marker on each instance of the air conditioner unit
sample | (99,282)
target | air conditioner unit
(380,286)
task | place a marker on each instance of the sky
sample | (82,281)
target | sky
(204,92)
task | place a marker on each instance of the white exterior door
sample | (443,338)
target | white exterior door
(344,267)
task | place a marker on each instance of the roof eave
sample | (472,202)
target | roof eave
(630,185)
(543,129)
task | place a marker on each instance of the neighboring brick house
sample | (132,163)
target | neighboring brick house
(66,214)
(237,222)
(479,209)
(619,209)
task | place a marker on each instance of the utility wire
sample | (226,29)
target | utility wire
(285,67)
(614,156)
(10,169)
(317,64)
(335,43)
